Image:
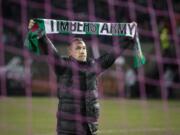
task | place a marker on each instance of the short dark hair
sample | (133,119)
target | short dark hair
(76,40)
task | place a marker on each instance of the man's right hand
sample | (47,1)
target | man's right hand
(31,24)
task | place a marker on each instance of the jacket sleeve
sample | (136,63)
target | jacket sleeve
(46,47)
(36,41)
(106,60)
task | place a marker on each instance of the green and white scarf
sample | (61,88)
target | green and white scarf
(50,26)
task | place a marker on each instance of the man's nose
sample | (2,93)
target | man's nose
(81,51)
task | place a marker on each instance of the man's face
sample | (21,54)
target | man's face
(78,50)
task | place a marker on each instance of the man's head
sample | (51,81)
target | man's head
(77,49)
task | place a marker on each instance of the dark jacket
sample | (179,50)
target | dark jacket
(78,108)
(77,91)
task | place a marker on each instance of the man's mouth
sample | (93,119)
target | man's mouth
(82,56)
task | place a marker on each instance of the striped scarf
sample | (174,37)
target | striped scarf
(50,26)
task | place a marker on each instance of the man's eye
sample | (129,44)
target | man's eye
(78,48)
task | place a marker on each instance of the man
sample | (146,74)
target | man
(78,108)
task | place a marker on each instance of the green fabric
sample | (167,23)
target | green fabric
(139,61)
(40,23)
(31,40)
(139,58)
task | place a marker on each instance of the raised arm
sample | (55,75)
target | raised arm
(43,44)
(39,40)
(106,60)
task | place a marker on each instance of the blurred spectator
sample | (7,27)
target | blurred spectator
(168,48)
(120,61)
(14,72)
(164,37)
(168,82)
(130,81)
